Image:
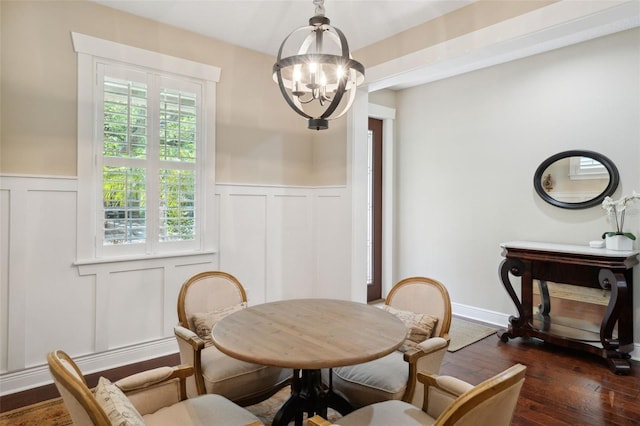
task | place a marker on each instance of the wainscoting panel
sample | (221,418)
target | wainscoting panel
(243,234)
(290,247)
(285,242)
(4,271)
(103,314)
(281,242)
(58,304)
(333,245)
(138,296)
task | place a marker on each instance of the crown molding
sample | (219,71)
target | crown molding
(558,25)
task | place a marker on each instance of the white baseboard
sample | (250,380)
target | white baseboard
(479,314)
(33,377)
(39,376)
(502,320)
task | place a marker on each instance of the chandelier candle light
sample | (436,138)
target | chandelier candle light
(619,240)
(315,71)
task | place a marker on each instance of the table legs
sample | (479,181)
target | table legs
(309,395)
(616,350)
(619,311)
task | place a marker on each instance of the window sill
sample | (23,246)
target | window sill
(92,266)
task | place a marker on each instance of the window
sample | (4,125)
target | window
(586,168)
(148,135)
(144,144)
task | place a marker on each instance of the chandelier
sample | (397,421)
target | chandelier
(315,71)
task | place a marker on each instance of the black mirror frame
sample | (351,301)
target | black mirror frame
(609,190)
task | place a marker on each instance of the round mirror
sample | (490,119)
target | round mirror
(576,179)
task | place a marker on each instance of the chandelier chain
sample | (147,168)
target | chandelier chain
(319,7)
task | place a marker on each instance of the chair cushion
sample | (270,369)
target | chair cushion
(116,404)
(374,381)
(201,410)
(396,413)
(419,326)
(203,322)
(236,379)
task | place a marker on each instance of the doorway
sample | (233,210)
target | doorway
(374,222)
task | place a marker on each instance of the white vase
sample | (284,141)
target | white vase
(618,242)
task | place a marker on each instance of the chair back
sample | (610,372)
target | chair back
(207,292)
(78,398)
(423,296)
(492,402)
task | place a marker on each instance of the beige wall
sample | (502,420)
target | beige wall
(468,19)
(259,139)
(384,97)
(330,154)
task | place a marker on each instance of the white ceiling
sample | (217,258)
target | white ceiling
(262,25)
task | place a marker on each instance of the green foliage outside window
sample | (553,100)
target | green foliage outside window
(177,205)
(125,136)
(177,126)
(125,119)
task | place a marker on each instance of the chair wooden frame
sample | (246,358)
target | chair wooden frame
(442,328)
(467,401)
(77,386)
(182,314)
(148,391)
(420,295)
(185,332)
(412,357)
(195,341)
(462,400)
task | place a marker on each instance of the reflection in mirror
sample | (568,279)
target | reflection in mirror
(582,308)
(576,179)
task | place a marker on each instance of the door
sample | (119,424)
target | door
(374,234)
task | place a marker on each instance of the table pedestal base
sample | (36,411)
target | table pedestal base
(309,395)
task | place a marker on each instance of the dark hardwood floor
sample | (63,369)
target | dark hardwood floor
(562,386)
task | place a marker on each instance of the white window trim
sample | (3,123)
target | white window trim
(577,173)
(90,50)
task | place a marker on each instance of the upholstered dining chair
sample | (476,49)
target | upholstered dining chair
(394,376)
(447,401)
(204,299)
(153,397)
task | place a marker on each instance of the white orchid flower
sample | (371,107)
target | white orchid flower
(617,209)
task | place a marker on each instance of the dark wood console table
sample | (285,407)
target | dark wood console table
(581,266)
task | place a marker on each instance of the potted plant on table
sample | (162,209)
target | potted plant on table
(619,240)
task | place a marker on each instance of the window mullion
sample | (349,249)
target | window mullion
(153,169)
(99,160)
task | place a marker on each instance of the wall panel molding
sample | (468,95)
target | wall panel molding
(279,239)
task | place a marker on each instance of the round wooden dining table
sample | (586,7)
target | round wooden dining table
(307,335)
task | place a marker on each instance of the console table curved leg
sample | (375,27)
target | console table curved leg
(545,305)
(545,302)
(516,268)
(617,283)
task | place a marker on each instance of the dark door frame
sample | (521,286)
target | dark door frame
(374,288)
